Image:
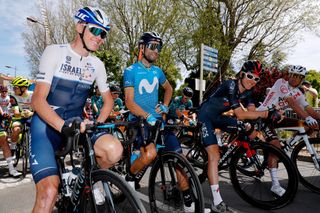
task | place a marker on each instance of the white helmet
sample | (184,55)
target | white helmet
(297,69)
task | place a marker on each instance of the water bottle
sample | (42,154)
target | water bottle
(134,156)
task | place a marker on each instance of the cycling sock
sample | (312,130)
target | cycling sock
(10,163)
(187,198)
(274,176)
(217,199)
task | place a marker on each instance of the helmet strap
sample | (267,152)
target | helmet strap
(84,44)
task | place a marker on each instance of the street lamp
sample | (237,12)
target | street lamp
(34,20)
(15,69)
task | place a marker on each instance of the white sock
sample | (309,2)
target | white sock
(216,194)
(10,163)
(274,176)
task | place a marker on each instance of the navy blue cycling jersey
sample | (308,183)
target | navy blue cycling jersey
(226,97)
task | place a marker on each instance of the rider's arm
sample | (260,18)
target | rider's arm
(241,114)
(312,112)
(40,105)
(296,107)
(107,106)
(167,92)
(131,104)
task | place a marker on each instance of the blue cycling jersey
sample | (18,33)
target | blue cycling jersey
(178,104)
(146,83)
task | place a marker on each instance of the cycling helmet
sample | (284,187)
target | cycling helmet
(3,88)
(296,69)
(20,82)
(94,16)
(252,66)
(187,91)
(150,36)
(115,89)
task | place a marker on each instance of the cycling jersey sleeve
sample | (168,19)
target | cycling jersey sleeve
(232,93)
(128,77)
(162,77)
(101,77)
(48,64)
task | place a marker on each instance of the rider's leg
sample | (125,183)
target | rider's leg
(16,130)
(108,151)
(213,160)
(46,195)
(7,154)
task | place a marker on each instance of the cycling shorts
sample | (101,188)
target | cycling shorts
(45,140)
(211,122)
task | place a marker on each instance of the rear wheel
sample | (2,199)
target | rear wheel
(251,178)
(308,173)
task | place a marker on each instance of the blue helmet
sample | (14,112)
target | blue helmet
(94,16)
(150,36)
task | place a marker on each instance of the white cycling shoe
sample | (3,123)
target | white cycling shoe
(14,173)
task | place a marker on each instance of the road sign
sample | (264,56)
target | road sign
(210,59)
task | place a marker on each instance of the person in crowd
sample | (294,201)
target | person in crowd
(96,102)
(65,77)
(310,93)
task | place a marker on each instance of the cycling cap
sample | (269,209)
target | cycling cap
(187,91)
(296,69)
(20,82)
(252,66)
(115,89)
(150,36)
(3,88)
(94,16)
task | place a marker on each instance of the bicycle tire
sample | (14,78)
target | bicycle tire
(114,182)
(25,153)
(309,176)
(168,186)
(254,186)
(198,157)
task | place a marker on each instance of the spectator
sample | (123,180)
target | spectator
(310,93)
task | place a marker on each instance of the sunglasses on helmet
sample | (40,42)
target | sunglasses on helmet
(96,31)
(154,46)
(252,77)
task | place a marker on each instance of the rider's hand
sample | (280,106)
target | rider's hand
(311,122)
(192,123)
(151,120)
(161,108)
(66,128)
(274,115)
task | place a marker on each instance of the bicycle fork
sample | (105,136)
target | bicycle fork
(313,153)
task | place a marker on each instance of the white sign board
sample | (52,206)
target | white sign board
(197,84)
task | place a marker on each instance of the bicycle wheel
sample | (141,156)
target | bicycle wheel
(198,158)
(164,192)
(308,173)
(251,177)
(25,152)
(107,184)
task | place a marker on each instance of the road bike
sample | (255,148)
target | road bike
(305,154)
(247,161)
(164,189)
(83,186)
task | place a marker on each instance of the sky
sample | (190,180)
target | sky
(13,23)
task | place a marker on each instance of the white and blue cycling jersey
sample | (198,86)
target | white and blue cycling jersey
(146,83)
(70,77)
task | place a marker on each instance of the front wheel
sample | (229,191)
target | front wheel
(308,173)
(251,178)
(164,190)
(105,187)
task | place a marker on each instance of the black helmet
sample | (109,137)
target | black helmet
(150,36)
(115,89)
(252,66)
(187,91)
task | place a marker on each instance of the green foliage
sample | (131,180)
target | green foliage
(314,78)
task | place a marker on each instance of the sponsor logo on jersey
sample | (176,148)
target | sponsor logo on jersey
(283,89)
(149,88)
(68,59)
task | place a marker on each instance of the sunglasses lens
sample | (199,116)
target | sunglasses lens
(152,46)
(251,77)
(98,31)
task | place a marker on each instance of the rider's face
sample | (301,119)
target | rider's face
(151,54)
(295,79)
(249,80)
(93,41)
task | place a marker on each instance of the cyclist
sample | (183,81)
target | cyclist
(118,103)
(4,113)
(66,74)
(21,105)
(96,102)
(141,87)
(179,106)
(229,95)
(283,94)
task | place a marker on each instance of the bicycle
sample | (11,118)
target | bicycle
(305,154)
(164,192)
(247,162)
(92,189)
